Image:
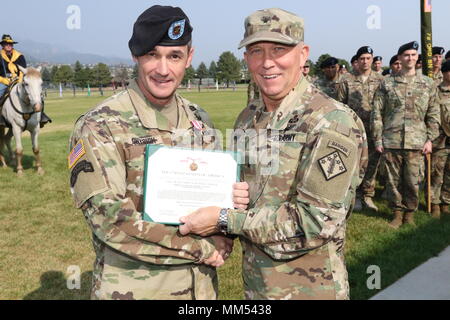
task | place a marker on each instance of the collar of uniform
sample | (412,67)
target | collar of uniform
(419,78)
(14,56)
(148,115)
(289,102)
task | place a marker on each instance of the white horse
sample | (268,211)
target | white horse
(22,111)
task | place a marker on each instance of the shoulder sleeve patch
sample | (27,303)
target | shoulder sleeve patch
(331,167)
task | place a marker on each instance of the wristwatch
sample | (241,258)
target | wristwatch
(222,223)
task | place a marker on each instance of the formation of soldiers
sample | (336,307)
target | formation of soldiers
(406,115)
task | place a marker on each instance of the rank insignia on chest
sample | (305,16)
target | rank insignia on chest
(332,165)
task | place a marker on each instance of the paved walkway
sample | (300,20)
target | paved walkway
(429,281)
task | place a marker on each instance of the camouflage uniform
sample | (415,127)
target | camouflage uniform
(252,92)
(136,259)
(358,95)
(293,232)
(438,78)
(330,87)
(440,175)
(405,116)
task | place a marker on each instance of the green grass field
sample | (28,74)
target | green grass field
(42,234)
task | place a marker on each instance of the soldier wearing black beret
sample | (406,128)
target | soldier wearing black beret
(447,55)
(354,63)
(438,53)
(395,65)
(147,260)
(357,91)
(377,64)
(329,82)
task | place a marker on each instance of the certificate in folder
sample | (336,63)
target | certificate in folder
(178,181)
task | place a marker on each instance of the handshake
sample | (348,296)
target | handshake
(203,222)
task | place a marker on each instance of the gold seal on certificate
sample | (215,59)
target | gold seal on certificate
(179,181)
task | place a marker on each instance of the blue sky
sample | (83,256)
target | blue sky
(331,26)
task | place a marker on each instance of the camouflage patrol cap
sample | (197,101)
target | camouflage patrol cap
(273,25)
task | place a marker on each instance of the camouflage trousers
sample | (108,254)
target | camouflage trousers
(118,277)
(367,187)
(440,177)
(404,172)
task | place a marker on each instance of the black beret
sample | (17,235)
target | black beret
(385,72)
(159,25)
(354,58)
(445,66)
(377,58)
(447,55)
(363,50)
(413,45)
(393,60)
(328,62)
(438,50)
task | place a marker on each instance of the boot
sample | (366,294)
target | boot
(435,211)
(444,209)
(369,204)
(409,218)
(397,221)
(358,204)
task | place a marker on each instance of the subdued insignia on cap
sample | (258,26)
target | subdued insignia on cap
(332,165)
(77,152)
(176,29)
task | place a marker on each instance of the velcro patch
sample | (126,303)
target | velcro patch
(83,166)
(144,140)
(339,146)
(77,152)
(332,165)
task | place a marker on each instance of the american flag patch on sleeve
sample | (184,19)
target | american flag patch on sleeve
(76,153)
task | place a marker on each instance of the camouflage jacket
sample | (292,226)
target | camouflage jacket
(107,184)
(405,115)
(438,78)
(300,197)
(358,95)
(443,141)
(328,87)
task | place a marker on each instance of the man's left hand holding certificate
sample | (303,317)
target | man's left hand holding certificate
(179,181)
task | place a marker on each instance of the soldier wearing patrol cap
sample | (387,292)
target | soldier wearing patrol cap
(440,173)
(329,82)
(377,64)
(357,91)
(405,121)
(137,259)
(438,54)
(293,233)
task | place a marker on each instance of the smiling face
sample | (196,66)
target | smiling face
(437,61)
(408,59)
(161,71)
(276,68)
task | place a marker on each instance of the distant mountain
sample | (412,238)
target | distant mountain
(37,52)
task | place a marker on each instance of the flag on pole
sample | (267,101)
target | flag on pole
(427,5)
(60,90)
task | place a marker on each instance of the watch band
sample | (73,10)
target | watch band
(222,223)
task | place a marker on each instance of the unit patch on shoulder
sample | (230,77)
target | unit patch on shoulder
(82,166)
(77,152)
(332,165)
